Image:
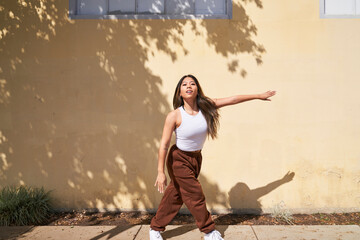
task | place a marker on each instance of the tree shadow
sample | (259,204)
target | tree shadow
(112,232)
(238,34)
(81,112)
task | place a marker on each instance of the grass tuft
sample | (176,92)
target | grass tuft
(280,213)
(24,206)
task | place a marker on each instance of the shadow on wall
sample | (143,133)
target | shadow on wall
(80,111)
(242,197)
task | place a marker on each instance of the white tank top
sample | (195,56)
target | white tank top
(192,132)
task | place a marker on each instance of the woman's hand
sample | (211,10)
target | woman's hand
(265,96)
(161,182)
(288,176)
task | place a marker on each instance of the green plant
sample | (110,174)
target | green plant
(280,213)
(24,205)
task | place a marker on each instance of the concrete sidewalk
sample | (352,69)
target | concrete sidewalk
(184,232)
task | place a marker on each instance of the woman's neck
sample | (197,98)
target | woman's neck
(191,106)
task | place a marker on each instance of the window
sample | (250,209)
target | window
(149,9)
(340,8)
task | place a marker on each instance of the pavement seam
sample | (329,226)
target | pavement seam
(254,232)
(137,232)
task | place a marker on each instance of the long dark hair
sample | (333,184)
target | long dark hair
(206,105)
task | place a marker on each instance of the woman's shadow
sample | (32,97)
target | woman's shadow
(245,201)
(242,200)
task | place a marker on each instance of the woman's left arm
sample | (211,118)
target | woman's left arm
(222,102)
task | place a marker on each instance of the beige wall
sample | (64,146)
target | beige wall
(82,105)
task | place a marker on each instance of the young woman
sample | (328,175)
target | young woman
(195,117)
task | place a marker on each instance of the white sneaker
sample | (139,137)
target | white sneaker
(155,235)
(213,235)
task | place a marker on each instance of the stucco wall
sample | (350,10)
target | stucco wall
(82,105)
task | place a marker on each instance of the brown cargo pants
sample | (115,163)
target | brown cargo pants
(184,168)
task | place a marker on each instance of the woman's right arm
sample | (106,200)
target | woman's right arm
(169,127)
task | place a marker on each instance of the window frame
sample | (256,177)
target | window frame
(74,15)
(323,15)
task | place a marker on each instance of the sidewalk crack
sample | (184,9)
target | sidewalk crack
(137,232)
(254,232)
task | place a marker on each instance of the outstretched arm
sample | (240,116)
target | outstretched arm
(222,102)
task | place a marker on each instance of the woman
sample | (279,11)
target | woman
(195,117)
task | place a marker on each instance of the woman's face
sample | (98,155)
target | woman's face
(188,88)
